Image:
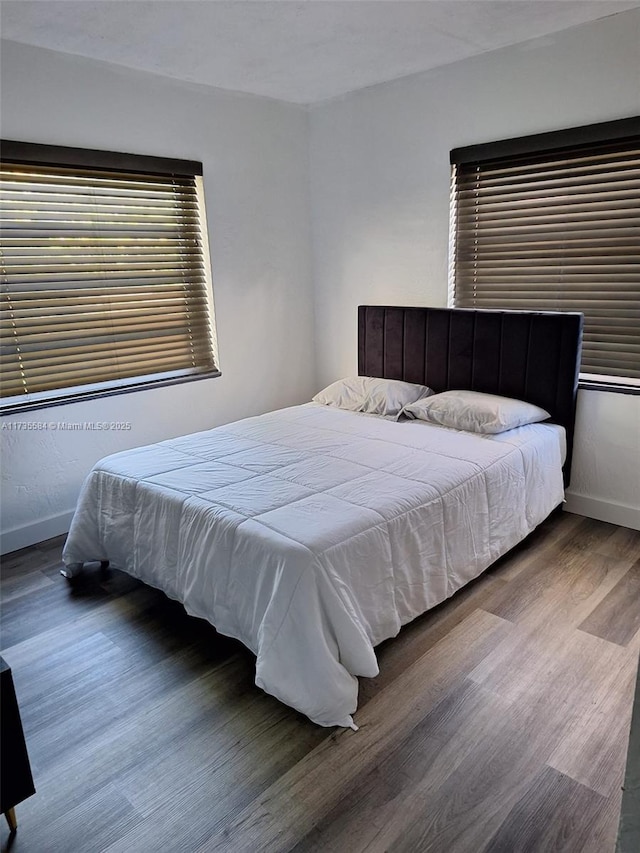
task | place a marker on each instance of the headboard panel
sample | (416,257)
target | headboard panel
(529,355)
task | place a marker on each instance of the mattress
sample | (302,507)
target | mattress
(311,534)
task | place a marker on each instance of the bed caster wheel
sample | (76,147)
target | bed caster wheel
(72,570)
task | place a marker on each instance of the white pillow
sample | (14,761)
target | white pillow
(475,412)
(371,395)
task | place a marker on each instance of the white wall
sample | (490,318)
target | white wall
(255,156)
(380,199)
(380,204)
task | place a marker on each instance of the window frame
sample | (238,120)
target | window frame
(65,157)
(560,142)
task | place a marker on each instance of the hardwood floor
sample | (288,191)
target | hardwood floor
(499,722)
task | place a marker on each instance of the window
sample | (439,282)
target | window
(105,274)
(552,222)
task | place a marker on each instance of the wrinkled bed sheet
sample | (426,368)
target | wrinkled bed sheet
(311,534)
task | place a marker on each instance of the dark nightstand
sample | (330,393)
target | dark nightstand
(16,782)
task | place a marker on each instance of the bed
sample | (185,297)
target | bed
(312,534)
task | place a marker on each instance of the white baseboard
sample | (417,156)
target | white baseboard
(31,534)
(46,528)
(615,513)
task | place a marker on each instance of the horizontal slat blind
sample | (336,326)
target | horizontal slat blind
(555,231)
(104,280)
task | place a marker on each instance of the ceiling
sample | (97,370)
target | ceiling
(303,52)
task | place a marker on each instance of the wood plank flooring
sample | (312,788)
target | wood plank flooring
(499,721)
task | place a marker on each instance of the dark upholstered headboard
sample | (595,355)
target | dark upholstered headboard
(529,355)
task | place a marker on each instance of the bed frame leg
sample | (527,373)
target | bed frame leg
(71,570)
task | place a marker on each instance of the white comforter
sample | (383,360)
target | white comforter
(311,534)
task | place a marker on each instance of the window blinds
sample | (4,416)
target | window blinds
(104,280)
(556,230)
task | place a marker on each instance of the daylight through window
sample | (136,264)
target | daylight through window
(552,222)
(105,274)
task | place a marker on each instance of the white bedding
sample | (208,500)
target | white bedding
(311,534)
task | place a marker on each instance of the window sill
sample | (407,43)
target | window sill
(615,387)
(18,408)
